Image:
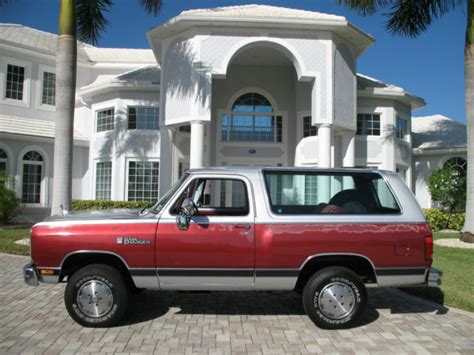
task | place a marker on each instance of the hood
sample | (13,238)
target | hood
(96,215)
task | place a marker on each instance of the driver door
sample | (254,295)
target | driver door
(217,249)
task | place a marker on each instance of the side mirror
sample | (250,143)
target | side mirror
(183,222)
(189,207)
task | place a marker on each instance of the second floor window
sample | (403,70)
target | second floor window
(402,128)
(105,120)
(308,129)
(15,82)
(252,120)
(49,89)
(368,124)
(143,117)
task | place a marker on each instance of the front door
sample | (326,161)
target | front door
(217,251)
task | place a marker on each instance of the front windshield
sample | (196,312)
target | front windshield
(166,197)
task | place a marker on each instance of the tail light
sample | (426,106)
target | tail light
(429,248)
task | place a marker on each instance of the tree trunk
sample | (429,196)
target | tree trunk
(66,58)
(468,229)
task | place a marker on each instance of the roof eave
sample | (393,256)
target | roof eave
(437,151)
(414,101)
(88,92)
(359,38)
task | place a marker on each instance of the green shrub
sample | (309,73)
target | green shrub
(83,205)
(447,186)
(9,203)
(438,219)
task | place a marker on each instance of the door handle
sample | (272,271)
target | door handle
(243,226)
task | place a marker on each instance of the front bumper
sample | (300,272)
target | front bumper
(30,275)
(433,277)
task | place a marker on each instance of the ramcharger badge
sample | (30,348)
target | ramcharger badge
(132,241)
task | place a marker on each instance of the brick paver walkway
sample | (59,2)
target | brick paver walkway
(35,320)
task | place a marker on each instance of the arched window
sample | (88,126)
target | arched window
(252,102)
(33,163)
(458,163)
(251,120)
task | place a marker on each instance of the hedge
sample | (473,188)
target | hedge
(83,205)
(438,219)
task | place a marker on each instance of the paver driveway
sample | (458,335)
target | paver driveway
(35,320)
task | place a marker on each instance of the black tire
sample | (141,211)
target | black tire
(349,298)
(110,298)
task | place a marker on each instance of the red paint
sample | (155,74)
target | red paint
(205,246)
(228,246)
(50,244)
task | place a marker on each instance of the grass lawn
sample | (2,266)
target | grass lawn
(8,236)
(457,287)
(457,264)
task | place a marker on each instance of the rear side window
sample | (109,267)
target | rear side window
(325,193)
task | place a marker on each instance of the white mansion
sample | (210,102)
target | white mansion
(243,85)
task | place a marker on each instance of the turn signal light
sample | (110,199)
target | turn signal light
(47,272)
(429,248)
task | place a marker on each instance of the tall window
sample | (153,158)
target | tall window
(103,180)
(105,120)
(49,89)
(32,175)
(308,129)
(251,120)
(368,124)
(402,128)
(3,166)
(143,117)
(143,179)
(15,82)
(3,161)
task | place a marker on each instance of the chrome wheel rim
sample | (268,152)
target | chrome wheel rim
(95,298)
(336,300)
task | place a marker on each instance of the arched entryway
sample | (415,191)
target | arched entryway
(255,108)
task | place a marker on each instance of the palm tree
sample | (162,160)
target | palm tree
(411,18)
(83,20)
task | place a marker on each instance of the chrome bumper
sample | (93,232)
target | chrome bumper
(30,275)
(433,277)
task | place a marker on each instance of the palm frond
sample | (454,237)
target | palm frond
(90,19)
(151,6)
(412,17)
(364,7)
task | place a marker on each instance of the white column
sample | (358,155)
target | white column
(166,159)
(348,149)
(197,145)
(324,146)
(409,176)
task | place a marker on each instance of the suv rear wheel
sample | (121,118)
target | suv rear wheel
(334,297)
(96,296)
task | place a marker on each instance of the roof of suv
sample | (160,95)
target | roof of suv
(235,169)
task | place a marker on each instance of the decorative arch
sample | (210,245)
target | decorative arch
(278,44)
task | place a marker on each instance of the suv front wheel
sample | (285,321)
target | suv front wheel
(334,297)
(96,296)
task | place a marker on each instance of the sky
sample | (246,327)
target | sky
(430,66)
